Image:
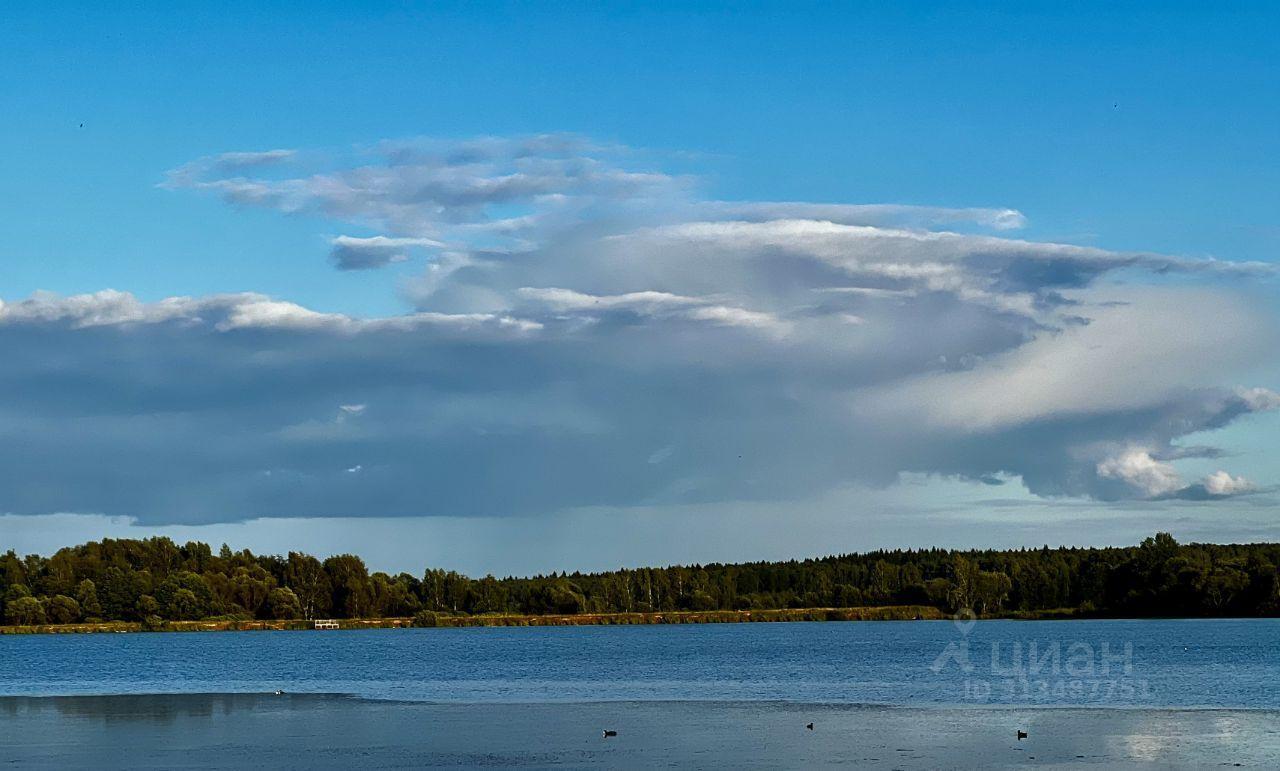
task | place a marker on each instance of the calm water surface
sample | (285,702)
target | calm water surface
(1153,664)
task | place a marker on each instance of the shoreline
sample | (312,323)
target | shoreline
(870,613)
(290,698)
(444,621)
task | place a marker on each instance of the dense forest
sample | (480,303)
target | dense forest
(154,580)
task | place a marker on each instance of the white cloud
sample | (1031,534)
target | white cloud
(106,307)
(654,304)
(230,312)
(569,300)
(1260,399)
(860,214)
(1220,483)
(734,317)
(1136,468)
(1152,478)
(1130,355)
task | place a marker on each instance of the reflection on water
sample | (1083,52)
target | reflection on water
(162,709)
(1145,747)
(316,731)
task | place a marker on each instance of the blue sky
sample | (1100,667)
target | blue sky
(1124,128)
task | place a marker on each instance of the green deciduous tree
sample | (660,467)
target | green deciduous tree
(349,580)
(24,610)
(283,603)
(87,597)
(62,609)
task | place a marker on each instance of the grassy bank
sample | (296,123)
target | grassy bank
(878,613)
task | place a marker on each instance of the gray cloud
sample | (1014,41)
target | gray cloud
(588,335)
(223,408)
(351,253)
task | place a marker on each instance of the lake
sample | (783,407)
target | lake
(899,694)
(1170,663)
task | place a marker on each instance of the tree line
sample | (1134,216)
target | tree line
(155,579)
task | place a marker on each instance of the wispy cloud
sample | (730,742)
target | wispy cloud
(490,191)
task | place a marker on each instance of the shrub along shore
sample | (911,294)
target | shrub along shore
(433,619)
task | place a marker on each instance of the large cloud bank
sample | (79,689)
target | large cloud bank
(588,331)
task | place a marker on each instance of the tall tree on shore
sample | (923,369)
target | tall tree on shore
(349,580)
(306,576)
